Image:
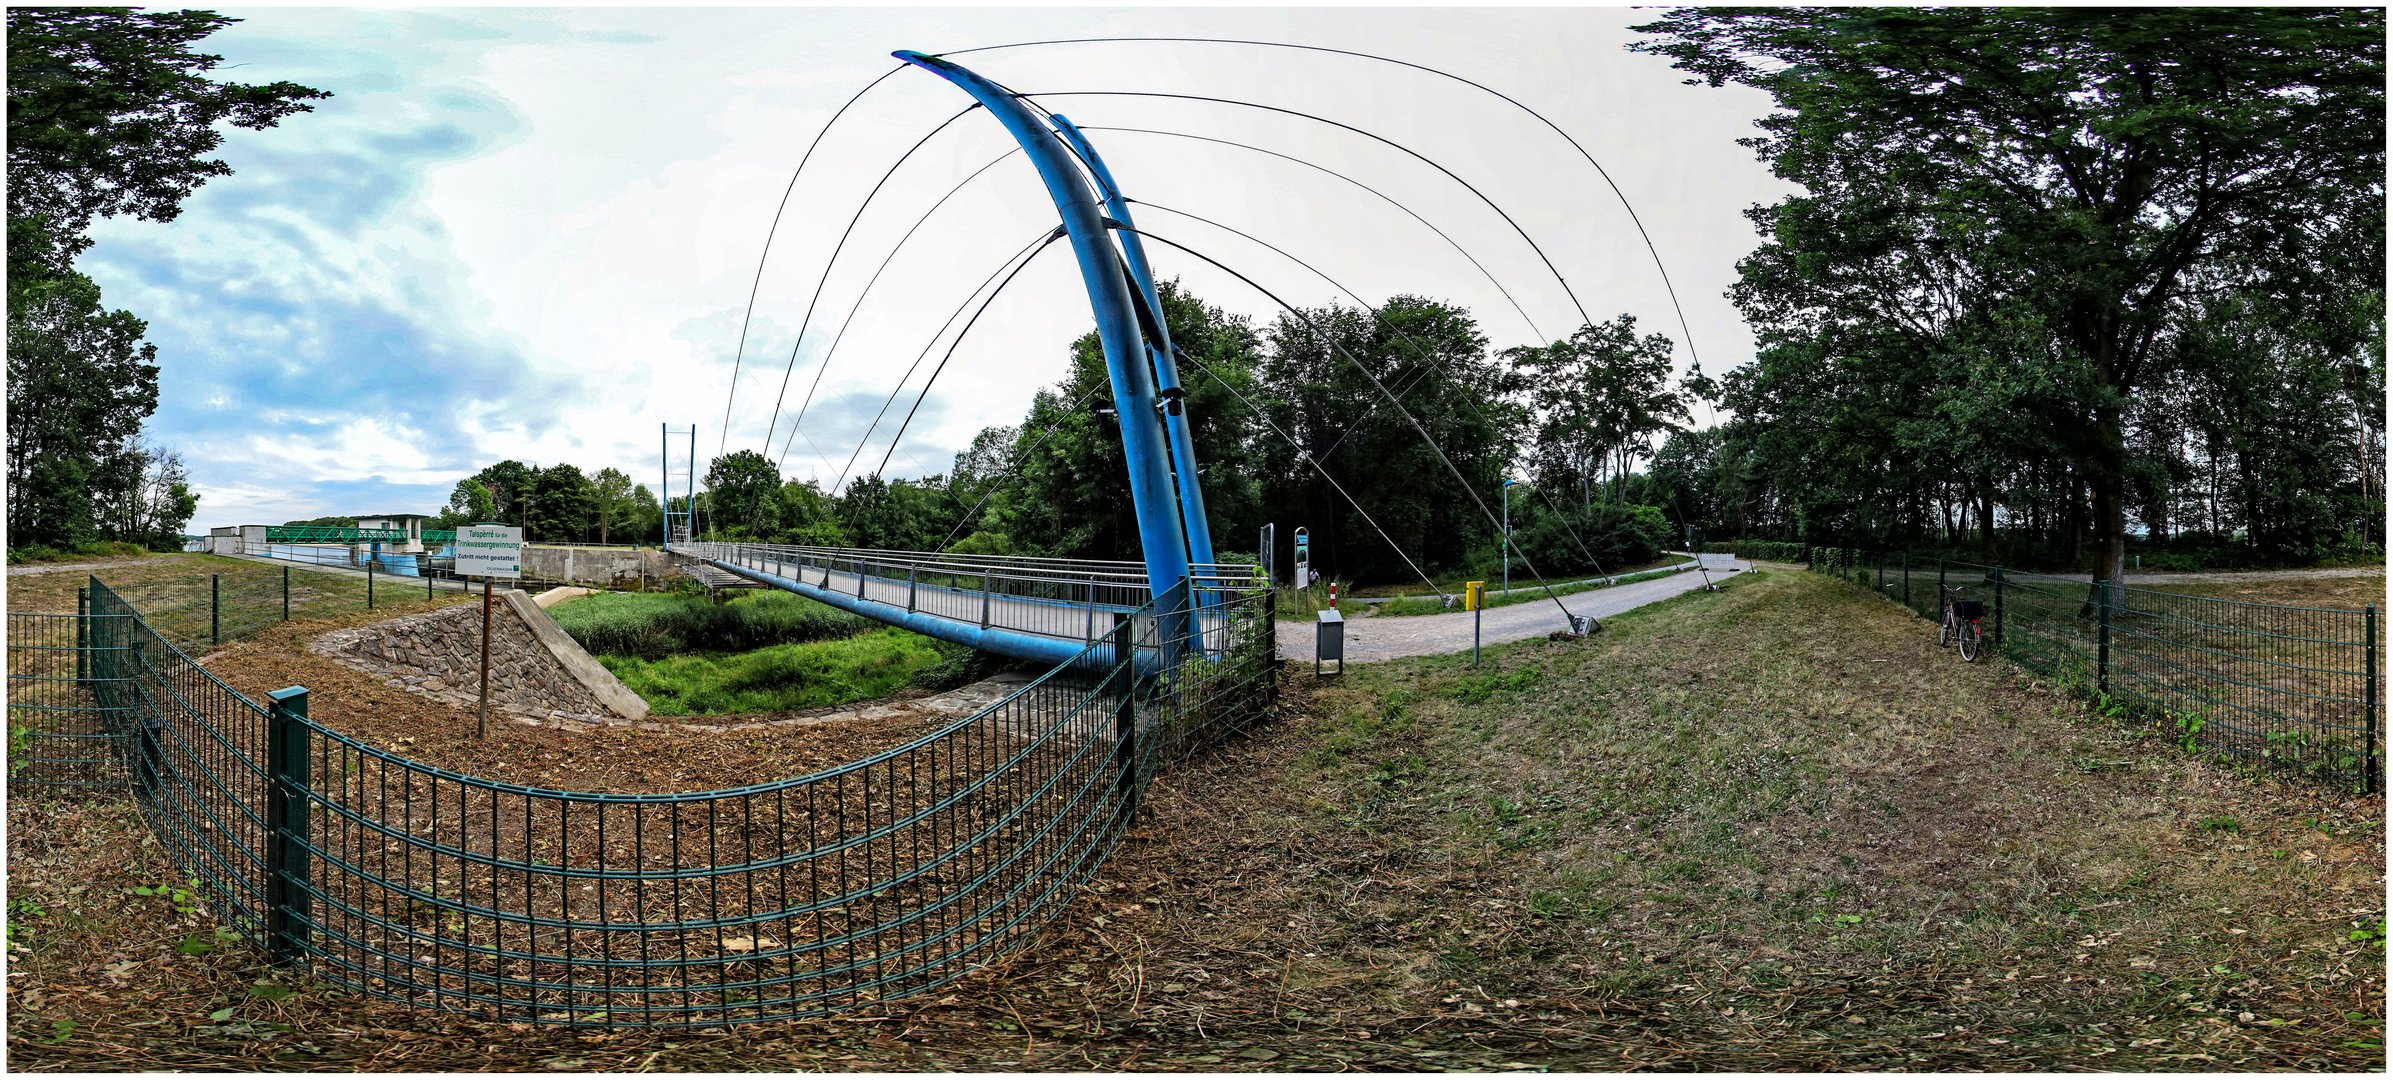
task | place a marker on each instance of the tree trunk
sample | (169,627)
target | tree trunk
(1985,509)
(2108,480)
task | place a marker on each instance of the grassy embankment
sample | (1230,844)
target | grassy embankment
(759,653)
(40,553)
(1772,828)
(172,593)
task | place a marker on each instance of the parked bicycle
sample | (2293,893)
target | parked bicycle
(1960,626)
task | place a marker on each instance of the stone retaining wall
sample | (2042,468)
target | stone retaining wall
(603,567)
(535,668)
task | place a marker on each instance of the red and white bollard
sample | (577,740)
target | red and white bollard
(1333,594)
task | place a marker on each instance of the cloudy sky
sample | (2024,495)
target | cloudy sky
(533,233)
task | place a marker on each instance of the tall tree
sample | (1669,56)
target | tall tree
(743,490)
(563,505)
(109,112)
(80,383)
(2104,170)
(510,484)
(610,492)
(469,502)
(645,519)
(1433,358)
(1601,396)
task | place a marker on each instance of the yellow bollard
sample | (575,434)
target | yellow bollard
(1474,595)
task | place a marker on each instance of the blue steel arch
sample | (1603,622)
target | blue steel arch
(1171,522)
(1159,348)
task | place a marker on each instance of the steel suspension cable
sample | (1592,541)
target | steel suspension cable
(758,282)
(1015,463)
(850,317)
(1642,234)
(1022,255)
(1315,462)
(826,277)
(1434,448)
(1042,244)
(1389,199)
(1384,140)
(1058,234)
(1418,348)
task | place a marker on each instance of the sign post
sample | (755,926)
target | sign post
(1304,559)
(488,552)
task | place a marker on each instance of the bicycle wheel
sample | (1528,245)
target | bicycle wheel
(1944,630)
(1972,646)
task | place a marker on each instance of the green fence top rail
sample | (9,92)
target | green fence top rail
(331,534)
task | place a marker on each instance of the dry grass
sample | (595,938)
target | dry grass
(1770,828)
(2353,591)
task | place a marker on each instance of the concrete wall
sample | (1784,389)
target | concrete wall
(598,567)
(535,669)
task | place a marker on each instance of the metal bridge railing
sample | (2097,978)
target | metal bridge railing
(1070,599)
(880,878)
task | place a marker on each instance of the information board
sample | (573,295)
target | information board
(492,551)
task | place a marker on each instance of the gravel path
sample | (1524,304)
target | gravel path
(1388,637)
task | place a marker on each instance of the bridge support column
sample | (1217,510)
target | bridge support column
(1163,542)
(1159,352)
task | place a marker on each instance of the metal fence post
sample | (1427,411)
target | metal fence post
(286,594)
(82,634)
(1998,605)
(1125,716)
(288,913)
(215,611)
(1092,608)
(2102,637)
(913,573)
(2369,645)
(859,579)
(985,579)
(369,583)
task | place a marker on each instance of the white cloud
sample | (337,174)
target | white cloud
(532,234)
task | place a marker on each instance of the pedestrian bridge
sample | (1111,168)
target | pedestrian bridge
(1047,610)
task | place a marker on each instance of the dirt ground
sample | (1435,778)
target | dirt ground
(1770,828)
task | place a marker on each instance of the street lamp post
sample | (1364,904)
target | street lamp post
(1508,537)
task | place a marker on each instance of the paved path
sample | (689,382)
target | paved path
(1381,637)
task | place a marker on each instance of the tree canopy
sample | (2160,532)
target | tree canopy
(2017,229)
(110,112)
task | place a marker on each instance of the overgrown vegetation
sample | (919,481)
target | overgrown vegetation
(653,626)
(762,652)
(780,678)
(105,549)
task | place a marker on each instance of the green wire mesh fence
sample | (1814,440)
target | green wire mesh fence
(874,880)
(2296,687)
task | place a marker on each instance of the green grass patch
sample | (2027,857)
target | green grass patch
(1786,784)
(655,626)
(780,678)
